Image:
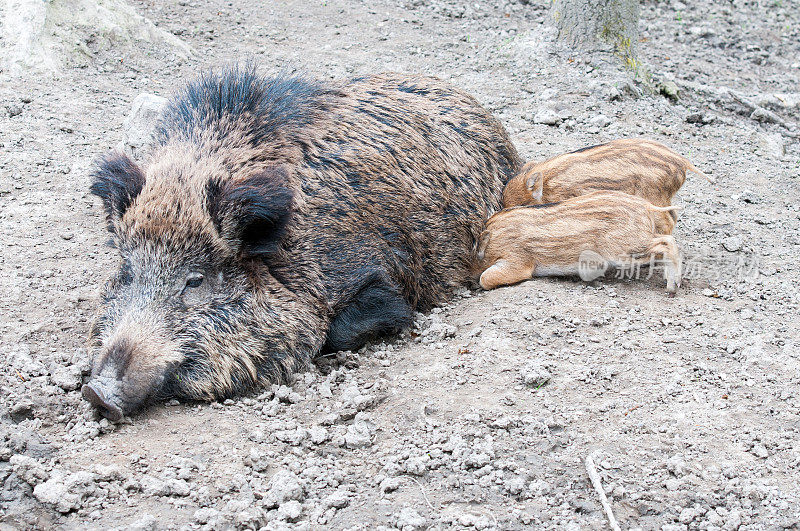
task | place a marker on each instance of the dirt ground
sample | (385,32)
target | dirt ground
(483,414)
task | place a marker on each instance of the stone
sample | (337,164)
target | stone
(138,129)
(762,115)
(338,499)
(699,118)
(147,522)
(546,116)
(770,144)
(290,510)
(390,484)
(29,469)
(669,89)
(601,120)
(732,243)
(536,376)
(47,35)
(205,515)
(318,434)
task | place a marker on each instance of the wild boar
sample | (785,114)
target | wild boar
(636,166)
(617,229)
(282,216)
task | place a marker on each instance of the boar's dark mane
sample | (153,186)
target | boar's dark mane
(264,104)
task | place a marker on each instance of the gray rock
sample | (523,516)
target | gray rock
(762,115)
(390,484)
(147,522)
(417,465)
(21,360)
(205,515)
(338,499)
(601,120)
(477,460)
(536,375)
(292,437)
(699,118)
(13,110)
(760,451)
(770,144)
(547,116)
(282,393)
(669,89)
(21,410)
(140,125)
(152,486)
(318,434)
(732,243)
(109,472)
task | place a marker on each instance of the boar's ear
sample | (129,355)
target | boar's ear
(535,185)
(117,180)
(251,215)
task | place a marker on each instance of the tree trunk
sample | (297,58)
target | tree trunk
(599,24)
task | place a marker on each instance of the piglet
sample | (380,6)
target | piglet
(636,166)
(582,235)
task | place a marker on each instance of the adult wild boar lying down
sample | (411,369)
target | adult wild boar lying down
(279,217)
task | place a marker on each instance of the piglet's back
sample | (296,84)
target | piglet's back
(635,166)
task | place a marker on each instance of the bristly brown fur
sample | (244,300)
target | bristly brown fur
(316,215)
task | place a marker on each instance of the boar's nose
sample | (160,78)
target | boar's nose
(94,394)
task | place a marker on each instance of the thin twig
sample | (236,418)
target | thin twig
(422,490)
(598,486)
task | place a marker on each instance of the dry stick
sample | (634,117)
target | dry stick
(598,486)
(422,490)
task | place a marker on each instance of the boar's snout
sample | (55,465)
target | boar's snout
(101,397)
(125,375)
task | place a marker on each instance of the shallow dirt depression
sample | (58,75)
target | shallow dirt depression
(484,413)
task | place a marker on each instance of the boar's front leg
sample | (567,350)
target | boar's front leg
(376,308)
(505,272)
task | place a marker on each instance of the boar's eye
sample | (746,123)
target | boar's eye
(193,280)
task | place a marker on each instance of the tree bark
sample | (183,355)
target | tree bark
(599,24)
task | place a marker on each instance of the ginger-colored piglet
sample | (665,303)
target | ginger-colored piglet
(636,166)
(593,231)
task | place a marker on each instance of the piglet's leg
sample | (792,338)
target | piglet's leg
(503,273)
(666,247)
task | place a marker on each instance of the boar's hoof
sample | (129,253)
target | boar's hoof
(106,408)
